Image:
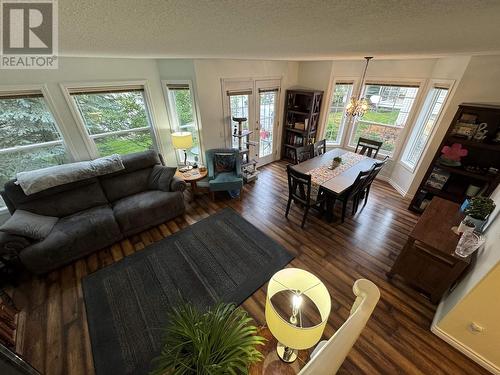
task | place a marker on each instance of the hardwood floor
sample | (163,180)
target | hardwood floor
(397,339)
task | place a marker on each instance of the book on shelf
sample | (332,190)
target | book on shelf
(438,178)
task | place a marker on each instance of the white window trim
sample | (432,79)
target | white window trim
(331,90)
(68,87)
(432,83)
(420,82)
(171,111)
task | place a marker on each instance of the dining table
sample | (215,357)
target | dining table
(335,181)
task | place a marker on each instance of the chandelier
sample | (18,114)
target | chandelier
(357,105)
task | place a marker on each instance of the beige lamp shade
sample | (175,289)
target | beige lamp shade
(304,283)
(182,140)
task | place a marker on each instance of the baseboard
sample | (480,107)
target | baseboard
(399,189)
(465,350)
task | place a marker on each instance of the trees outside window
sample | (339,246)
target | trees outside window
(117,121)
(29,137)
(337,118)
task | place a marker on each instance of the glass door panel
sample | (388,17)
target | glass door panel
(238,106)
(267,120)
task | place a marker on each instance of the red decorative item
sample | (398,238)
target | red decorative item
(455,152)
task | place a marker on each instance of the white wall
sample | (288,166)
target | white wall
(209,74)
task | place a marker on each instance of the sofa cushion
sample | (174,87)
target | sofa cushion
(58,201)
(30,225)
(139,211)
(161,177)
(124,184)
(71,238)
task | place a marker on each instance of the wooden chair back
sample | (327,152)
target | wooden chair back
(375,170)
(299,185)
(368,147)
(329,355)
(304,153)
(360,182)
(319,147)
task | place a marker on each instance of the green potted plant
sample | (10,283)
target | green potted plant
(336,162)
(221,340)
(478,211)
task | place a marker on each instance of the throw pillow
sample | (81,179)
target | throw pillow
(30,225)
(224,162)
(161,177)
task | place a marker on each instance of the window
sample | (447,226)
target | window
(424,126)
(29,138)
(183,117)
(337,117)
(388,115)
(116,120)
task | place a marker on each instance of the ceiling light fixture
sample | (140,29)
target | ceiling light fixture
(358,106)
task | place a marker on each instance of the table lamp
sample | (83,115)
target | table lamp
(286,326)
(183,141)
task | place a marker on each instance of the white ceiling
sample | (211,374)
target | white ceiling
(278,29)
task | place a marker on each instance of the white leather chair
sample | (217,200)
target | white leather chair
(328,356)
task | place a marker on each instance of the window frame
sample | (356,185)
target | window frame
(20,90)
(343,132)
(71,88)
(431,84)
(171,111)
(401,139)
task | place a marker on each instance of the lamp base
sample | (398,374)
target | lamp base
(286,354)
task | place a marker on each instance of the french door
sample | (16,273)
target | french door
(258,102)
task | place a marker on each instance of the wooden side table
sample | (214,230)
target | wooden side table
(428,259)
(272,364)
(192,177)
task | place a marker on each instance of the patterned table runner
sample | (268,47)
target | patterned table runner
(323,173)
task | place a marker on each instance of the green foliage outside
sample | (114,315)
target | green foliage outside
(219,341)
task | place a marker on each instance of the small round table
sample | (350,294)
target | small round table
(192,177)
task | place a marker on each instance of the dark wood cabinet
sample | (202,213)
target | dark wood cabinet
(428,260)
(301,117)
(478,172)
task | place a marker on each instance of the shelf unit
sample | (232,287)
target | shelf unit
(302,111)
(483,154)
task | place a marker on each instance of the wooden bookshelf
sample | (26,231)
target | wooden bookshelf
(483,154)
(301,107)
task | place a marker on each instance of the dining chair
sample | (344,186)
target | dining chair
(304,153)
(319,147)
(329,355)
(299,191)
(375,171)
(352,193)
(368,146)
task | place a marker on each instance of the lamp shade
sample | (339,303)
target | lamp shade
(301,283)
(182,140)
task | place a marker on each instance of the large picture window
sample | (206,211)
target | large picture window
(336,116)
(117,121)
(183,117)
(424,126)
(29,137)
(390,109)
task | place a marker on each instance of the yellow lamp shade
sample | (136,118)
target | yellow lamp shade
(182,140)
(305,283)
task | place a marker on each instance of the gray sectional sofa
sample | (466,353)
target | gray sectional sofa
(94,213)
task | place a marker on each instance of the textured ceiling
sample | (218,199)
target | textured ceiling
(278,29)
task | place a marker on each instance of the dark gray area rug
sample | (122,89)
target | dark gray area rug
(220,258)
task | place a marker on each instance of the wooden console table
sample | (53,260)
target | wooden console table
(428,259)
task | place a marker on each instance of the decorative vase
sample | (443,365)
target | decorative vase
(478,223)
(335,164)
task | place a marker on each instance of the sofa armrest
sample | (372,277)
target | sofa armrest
(12,244)
(176,184)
